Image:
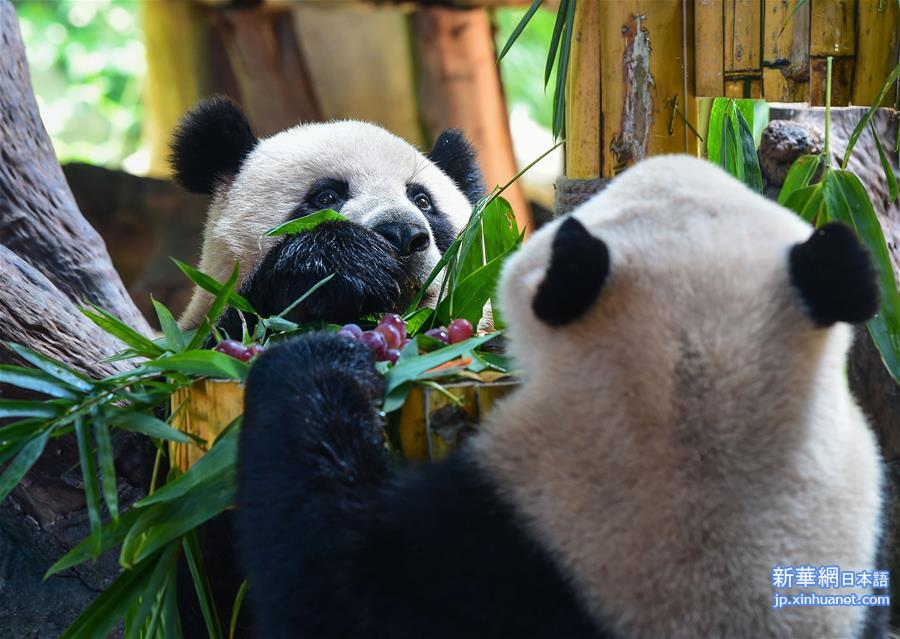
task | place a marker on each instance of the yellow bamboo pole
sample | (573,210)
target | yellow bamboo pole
(709,38)
(786,51)
(742,27)
(832,33)
(583,112)
(878,27)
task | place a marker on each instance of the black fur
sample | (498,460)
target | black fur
(456,157)
(835,276)
(368,279)
(337,543)
(579,265)
(210,145)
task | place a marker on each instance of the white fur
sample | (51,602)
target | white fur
(694,428)
(277,174)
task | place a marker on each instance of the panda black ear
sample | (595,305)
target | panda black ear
(210,144)
(835,276)
(454,155)
(579,266)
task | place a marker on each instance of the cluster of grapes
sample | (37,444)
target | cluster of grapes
(385,340)
(237,350)
(389,337)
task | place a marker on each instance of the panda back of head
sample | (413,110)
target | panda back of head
(685,423)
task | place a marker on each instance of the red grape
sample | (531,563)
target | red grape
(375,341)
(392,319)
(439,334)
(353,331)
(254,350)
(391,335)
(392,355)
(234,349)
(459,330)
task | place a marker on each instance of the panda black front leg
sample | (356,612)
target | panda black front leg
(368,277)
(310,447)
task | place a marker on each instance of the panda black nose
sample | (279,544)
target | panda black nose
(407,238)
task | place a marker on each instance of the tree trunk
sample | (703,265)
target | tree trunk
(51,263)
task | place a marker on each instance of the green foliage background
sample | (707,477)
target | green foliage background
(87,65)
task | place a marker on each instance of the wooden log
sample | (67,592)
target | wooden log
(39,220)
(359,59)
(785,57)
(459,86)
(51,262)
(274,86)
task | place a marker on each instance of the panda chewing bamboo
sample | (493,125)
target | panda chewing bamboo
(684,426)
(404,210)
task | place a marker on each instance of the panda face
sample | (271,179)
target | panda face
(417,202)
(370,176)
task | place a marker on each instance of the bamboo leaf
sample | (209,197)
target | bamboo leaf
(315,287)
(202,363)
(164,522)
(562,72)
(806,202)
(112,536)
(519,28)
(305,223)
(889,174)
(147,425)
(221,458)
(215,309)
(210,285)
(201,585)
(799,176)
(174,336)
(171,620)
(151,591)
(847,201)
(472,293)
(117,328)
(558,26)
(53,368)
(752,174)
(106,462)
(22,463)
(91,491)
(36,380)
(28,408)
(864,122)
(239,600)
(407,371)
(110,606)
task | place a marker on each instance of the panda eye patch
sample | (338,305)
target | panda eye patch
(419,196)
(324,194)
(326,198)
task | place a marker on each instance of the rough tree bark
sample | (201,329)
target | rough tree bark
(51,262)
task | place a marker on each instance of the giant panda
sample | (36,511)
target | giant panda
(404,210)
(684,425)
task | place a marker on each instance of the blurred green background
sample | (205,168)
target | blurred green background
(88,67)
